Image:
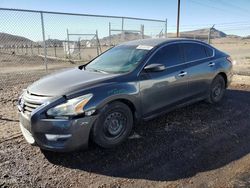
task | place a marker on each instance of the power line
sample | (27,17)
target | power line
(218,27)
(235,7)
(207,5)
(224,24)
(231,29)
(218,8)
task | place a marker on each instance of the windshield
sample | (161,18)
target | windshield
(119,59)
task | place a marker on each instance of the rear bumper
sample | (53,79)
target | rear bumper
(57,134)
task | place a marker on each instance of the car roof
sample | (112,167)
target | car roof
(157,41)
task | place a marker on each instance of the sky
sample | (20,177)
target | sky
(230,16)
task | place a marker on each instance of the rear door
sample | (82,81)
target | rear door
(160,89)
(200,67)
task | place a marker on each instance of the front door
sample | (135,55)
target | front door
(161,89)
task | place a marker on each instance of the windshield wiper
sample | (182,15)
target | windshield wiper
(97,70)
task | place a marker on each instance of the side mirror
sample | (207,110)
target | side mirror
(155,68)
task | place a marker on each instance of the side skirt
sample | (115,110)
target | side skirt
(173,107)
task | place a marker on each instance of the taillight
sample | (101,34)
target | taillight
(230,59)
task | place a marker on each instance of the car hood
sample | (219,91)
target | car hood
(67,81)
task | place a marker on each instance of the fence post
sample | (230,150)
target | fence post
(79,47)
(55,50)
(44,42)
(123,38)
(31,48)
(68,42)
(166,28)
(96,39)
(109,34)
(142,31)
(65,48)
(26,49)
(209,34)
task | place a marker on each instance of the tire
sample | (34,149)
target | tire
(113,125)
(217,90)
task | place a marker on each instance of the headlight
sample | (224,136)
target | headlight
(71,108)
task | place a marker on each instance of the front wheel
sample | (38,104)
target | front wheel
(113,125)
(217,90)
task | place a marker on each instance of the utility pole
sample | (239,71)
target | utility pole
(209,34)
(178,18)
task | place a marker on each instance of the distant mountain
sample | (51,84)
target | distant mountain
(204,32)
(234,36)
(200,34)
(118,38)
(247,37)
(13,40)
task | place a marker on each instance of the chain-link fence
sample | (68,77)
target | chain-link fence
(50,37)
(35,43)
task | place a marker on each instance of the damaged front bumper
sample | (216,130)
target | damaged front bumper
(56,134)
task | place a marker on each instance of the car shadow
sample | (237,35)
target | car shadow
(180,144)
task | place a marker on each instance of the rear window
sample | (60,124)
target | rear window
(168,56)
(209,51)
(194,51)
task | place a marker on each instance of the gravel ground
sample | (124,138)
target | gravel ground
(200,145)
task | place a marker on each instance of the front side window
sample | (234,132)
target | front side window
(169,56)
(120,59)
(194,51)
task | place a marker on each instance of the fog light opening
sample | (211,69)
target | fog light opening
(55,137)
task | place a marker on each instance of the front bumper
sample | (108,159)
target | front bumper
(74,132)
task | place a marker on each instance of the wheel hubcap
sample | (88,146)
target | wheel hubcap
(114,124)
(217,91)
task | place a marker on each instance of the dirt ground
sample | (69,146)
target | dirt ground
(239,50)
(196,146)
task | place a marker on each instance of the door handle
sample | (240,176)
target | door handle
(182,73)
(211,64)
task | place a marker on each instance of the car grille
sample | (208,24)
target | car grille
(32,101)
(29,107)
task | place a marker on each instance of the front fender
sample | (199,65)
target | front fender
(116,91)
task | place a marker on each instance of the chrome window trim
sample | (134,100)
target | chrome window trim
(179,42)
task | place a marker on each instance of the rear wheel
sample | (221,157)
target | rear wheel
(217,90)
(113,125)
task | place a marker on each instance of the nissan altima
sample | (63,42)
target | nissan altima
(134,81)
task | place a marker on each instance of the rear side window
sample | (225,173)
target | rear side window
(169,56)
(209,51)
(194,51)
